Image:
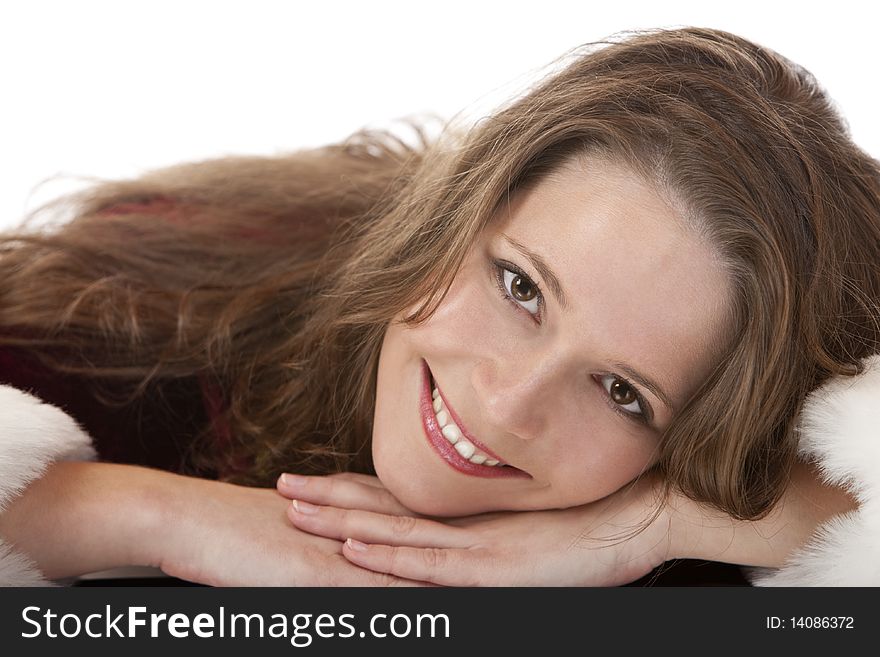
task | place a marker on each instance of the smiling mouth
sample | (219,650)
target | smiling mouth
(451,441)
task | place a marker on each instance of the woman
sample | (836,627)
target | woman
(611,298)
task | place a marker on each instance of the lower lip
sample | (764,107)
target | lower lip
(444,448)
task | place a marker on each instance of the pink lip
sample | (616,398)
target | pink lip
(442,446)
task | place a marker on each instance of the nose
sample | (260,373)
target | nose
(518,398)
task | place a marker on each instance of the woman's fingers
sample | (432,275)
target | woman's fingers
(358,576)
(347,492)
(369,527)
(447,567)
(368,480)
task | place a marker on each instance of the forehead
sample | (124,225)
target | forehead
(643,287)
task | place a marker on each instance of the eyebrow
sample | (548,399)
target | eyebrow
(559,293)
(648,383)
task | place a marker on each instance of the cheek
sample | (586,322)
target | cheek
(390,462)
(465,321)
(593,466)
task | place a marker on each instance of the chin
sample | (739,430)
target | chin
(419,496)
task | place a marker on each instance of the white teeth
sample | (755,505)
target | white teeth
(452,433)
(465,448)
(435,393)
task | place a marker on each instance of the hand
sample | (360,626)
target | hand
(222,534)
(578,546)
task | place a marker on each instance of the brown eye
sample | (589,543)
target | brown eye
(623,397)
(522,289)
(622,393)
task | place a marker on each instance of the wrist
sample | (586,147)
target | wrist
(645,519)
(173,525)
(143,517)
(686,526)
(160,522)
(662,511)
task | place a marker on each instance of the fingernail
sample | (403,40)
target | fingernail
(292,480)
(357,546)
(304,507)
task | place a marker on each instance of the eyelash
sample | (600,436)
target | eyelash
(499,267)
(636,417)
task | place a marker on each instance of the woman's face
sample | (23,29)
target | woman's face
(569,388)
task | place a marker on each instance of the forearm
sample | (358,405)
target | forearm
(701,533)
(83,517)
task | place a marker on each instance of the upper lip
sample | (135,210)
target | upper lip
(467,434)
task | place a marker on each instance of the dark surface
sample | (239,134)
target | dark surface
(693,572)
(682,572)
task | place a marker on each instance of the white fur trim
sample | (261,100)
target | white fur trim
(33,434)
(16,569)
(840,432)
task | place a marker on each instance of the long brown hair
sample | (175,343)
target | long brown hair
(742,141)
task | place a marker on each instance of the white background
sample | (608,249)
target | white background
(109,89)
